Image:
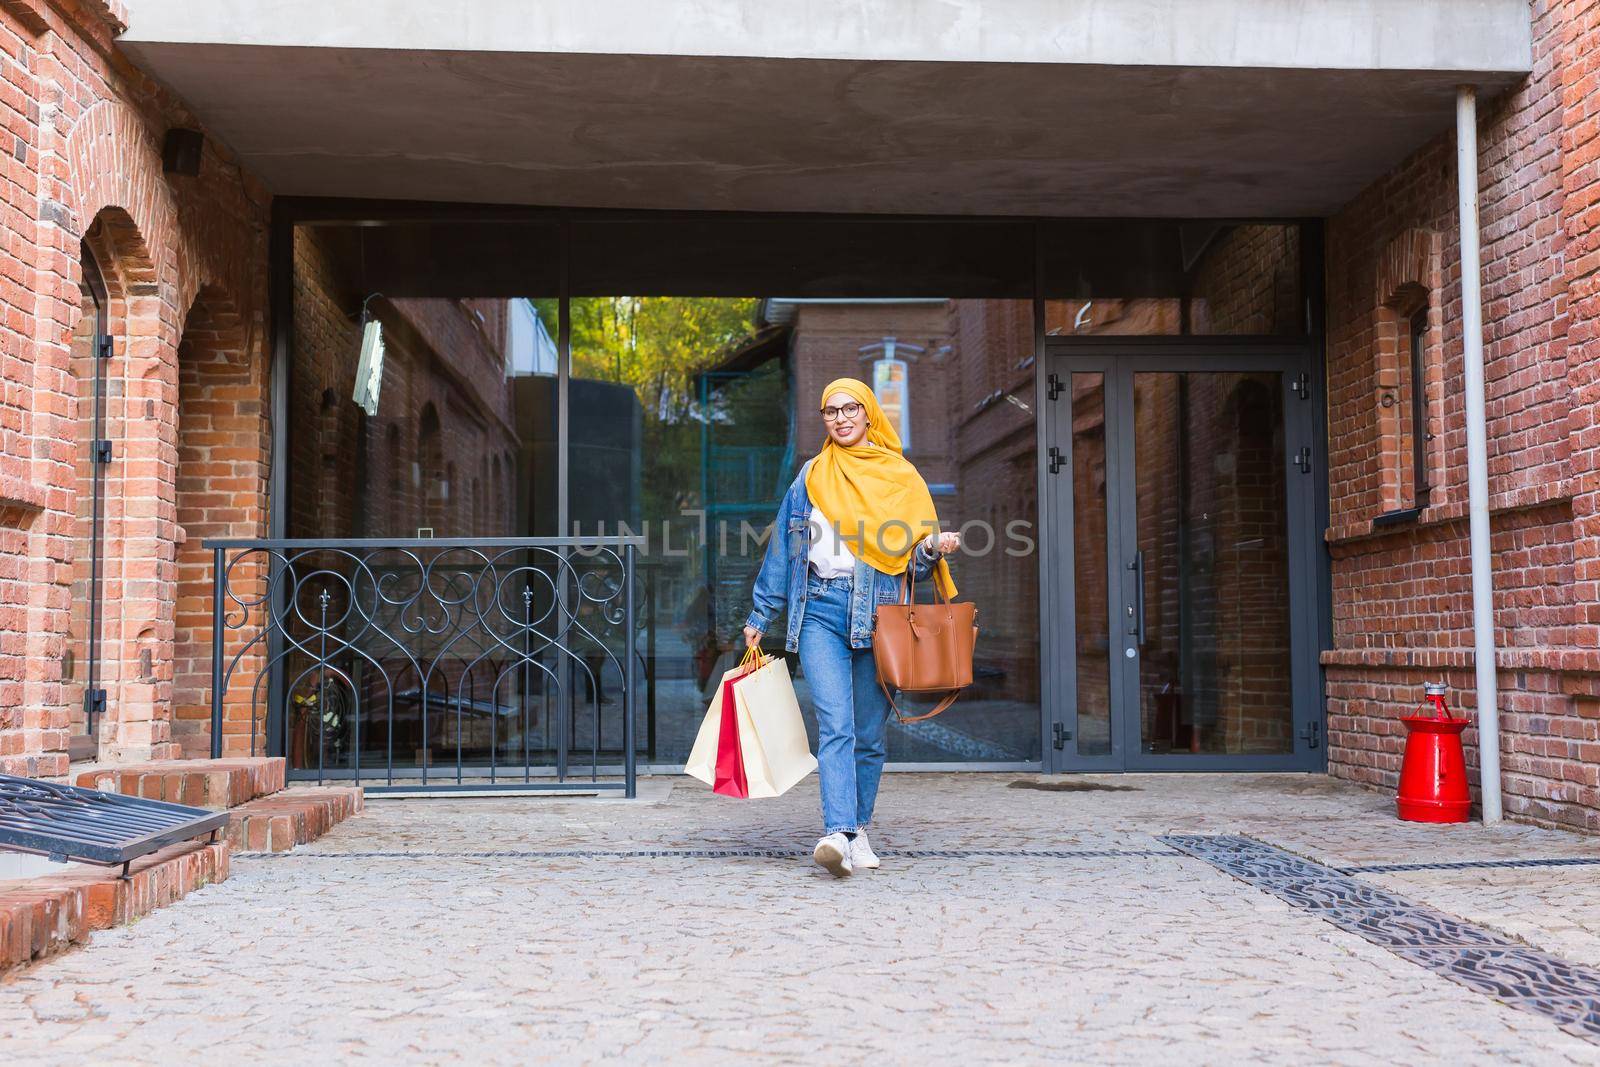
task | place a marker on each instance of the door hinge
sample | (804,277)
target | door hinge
(1302,385)
(1061,735)
(1054,385)
(1056,459)
(102,450)
(1302,459)
(1311,734)
(103,347)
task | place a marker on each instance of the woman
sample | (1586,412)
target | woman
(862,487)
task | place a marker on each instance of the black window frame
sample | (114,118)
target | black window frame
(1418,334)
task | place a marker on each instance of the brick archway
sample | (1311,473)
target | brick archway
(1407,284)
(118,201)
(139,323)
(178,272)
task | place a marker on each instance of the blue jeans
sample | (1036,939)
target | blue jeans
(851,709)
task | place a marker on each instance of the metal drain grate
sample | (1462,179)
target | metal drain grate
(1476,957)
(68,822)
(1471,865)
(722,853)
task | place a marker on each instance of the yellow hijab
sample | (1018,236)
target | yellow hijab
(872,494)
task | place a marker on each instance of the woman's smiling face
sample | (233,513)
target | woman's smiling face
(846,429)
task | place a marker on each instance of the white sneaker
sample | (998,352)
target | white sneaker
(861,854)
(833,852)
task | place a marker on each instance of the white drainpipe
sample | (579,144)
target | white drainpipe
(1477,454)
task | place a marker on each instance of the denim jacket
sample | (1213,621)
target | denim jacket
(782,579)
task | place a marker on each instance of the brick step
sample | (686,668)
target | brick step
(42,916)
(292,817)
(216,784)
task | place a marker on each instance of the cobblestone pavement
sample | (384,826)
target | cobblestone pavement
(443,931)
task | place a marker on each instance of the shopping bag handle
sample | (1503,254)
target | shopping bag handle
(753,659)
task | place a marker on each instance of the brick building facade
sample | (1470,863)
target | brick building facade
(1401,603)
(182,271)
(176,265)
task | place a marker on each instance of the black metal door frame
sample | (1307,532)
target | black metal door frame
(1118,359)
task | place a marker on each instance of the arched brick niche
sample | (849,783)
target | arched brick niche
(1407,316)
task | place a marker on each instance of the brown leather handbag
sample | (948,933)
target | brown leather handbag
(924,648)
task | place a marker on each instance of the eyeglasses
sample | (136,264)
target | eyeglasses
(849,411)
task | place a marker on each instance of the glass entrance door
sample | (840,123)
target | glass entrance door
(1182,483)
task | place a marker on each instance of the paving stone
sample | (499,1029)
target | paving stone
(396,938)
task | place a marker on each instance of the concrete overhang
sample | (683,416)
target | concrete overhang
(1198,108)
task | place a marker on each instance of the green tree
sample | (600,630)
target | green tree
(657,344)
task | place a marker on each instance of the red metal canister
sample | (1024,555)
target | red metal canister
(1433,777)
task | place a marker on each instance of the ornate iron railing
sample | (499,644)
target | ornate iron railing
(473,664)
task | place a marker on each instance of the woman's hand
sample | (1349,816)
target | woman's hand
(945,543)
(752,637)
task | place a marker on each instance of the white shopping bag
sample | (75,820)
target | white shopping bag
(772,735)
(703,756)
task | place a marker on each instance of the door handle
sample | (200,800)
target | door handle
(1136,624)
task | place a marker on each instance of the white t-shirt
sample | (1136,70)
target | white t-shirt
(828,556)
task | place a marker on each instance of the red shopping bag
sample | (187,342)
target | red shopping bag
(730,780)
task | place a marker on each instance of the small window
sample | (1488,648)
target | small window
(1403,412)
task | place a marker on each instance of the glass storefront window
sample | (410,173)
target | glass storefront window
(669,443)
(697,349)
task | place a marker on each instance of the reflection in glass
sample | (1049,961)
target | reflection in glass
(462,444)
(1222,279)
(709,407)
(1214,673)
(677,426)
(1089,541)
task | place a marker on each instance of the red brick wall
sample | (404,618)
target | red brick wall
(222,467)
(1402,607)
(83,164)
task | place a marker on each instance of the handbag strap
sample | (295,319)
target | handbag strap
(906,579)
(949,698)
